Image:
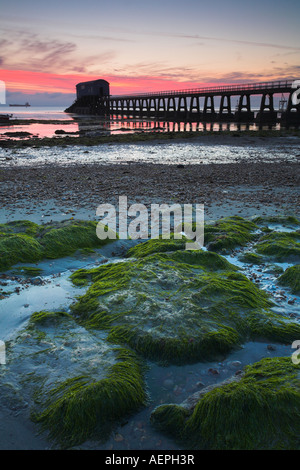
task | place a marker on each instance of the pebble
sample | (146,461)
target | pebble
(236,363)
(168,384)
(200,384)
(213,371)
(37,281)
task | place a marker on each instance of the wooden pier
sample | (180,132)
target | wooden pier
(199,104)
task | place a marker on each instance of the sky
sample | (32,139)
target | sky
(46,47)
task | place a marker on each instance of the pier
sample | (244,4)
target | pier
(211,104)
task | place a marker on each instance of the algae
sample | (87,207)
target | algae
(257,410)
(155,246)
(178,307)
(79,408)
(78,385)
(43,317)
(284,220)
(251,258)
(228,233)
(291,278)
(282,246)
(24,241)
(28,271)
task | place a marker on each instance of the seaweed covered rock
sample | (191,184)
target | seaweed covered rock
(288,221)
(251,258)
(257,410)
(178,307)
(77,385)
(221,236)
(155,246)
(282,246)
(80,408)
(228,233)
(25,241)
(291,278)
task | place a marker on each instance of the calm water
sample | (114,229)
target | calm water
(114,125)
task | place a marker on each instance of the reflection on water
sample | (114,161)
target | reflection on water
(73,124)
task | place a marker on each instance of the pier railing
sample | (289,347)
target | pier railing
(279,86)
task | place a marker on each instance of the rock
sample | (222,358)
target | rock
(37,281)
(168,384)
(200,384)
(270,347)
(236,363)
(213,371)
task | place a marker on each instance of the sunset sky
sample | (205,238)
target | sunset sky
(48,47)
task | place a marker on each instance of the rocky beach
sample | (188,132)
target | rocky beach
(143,344)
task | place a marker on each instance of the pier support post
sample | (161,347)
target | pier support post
(225,113)
(244,113)
(171,106)
(267,112)
(209,107)
(292,114)
(195,106)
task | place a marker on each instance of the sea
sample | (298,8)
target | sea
(113,125)
(54,122)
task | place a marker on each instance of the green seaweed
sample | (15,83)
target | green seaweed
(23,226)
(291,278)
(280,245)
(155,246)
(228,233)
(284,220)
(59,242)
(251,258)
(80,408)
(178,307)
(259,410)
(26,242)
(43,317)
(19,248)
(28,271)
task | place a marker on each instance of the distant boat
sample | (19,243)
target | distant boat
(26,104)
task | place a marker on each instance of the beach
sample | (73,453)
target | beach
(251,180)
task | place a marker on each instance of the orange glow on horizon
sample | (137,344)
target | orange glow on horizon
(28,82)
